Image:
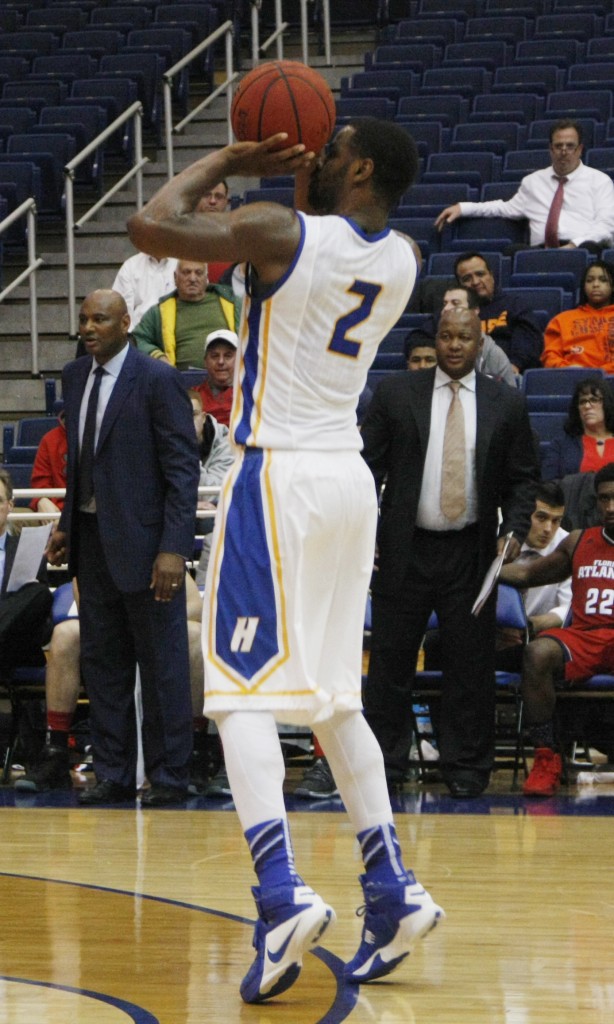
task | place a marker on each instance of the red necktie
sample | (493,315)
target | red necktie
(551,234)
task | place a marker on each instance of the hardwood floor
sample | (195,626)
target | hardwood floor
(146,916)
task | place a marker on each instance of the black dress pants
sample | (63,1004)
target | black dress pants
(443,576)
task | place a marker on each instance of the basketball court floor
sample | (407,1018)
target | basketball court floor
(127,915)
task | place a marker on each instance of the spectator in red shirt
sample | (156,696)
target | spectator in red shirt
(219,362)
(49,469)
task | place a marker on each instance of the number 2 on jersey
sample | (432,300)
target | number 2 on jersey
(340,343)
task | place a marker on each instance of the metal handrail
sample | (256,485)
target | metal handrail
(133,113)
(20,515)
(28,210)
(225,30)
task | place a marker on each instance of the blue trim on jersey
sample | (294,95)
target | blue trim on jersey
(266,293)
(245,588)
(250,372)
(368,237)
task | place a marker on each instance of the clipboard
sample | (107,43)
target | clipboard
(491,577)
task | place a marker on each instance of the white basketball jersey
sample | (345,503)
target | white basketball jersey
(306,345)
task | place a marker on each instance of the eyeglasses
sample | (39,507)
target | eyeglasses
(562,146)
(590,400)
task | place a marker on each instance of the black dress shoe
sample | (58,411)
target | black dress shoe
(107,792)
(159,795)
(466,789)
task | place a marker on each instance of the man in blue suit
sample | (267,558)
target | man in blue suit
(128,527)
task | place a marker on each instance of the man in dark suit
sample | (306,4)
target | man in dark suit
(128,527)
(433,560)
(25,624)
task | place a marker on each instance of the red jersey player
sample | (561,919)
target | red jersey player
(579,650)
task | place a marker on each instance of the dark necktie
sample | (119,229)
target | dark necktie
(453,500)
(551,234)
(86,461)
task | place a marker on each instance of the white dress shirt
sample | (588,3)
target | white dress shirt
(143,280)
(552,598)
(430,516)
(587,214)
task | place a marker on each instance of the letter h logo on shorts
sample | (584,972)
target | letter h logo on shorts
(244,634)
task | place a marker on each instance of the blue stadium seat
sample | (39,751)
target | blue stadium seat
(548,262)
(498,190)
(547,425)
(34,94)
(458,81)
(437,195)
(29,43)
(421,229)
(509,29)
(505,230)
(391,84)
(145,69)
(522,107)
(561,52)
(521,162)
(19,180)
(21,454)
(488,135)
(448,110)
(429,136)
(13,67)
(582,26)
(595,103)
(51,151)
(598,7)
(551,300)
(601,49)
(600,158)
(438,31)
(64,66)
(18,119)
(95,41)
(596,75)
(555,380)
(89,171)
(349,108)
(68,18)
(21,474)
(414,57)
(137,16)
(490,54)
(541,79)
(472,168)
(30,429)
(10,20)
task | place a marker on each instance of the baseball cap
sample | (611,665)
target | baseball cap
(222,335)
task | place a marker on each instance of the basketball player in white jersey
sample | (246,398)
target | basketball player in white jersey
(295,533)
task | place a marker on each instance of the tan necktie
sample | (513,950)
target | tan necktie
(453,499)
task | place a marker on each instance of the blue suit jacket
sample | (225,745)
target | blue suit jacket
(146,468)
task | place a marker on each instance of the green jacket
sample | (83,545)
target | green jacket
(155,334)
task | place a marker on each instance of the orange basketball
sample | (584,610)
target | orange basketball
(284,96)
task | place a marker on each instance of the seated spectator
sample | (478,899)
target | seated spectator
(586,442)
(216,200)
(562,657)
(143,280)
(583,216)
(216,458)
(584,336)
(216,392)
(173,329)
(504,316)
(49,469)
(25,624)
(420,343)
(63,685)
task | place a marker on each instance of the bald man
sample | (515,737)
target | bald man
(127,528)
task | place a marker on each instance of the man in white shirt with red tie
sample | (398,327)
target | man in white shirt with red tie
(585,217)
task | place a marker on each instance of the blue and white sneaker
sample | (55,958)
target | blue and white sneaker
(291,920)
(396,916)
